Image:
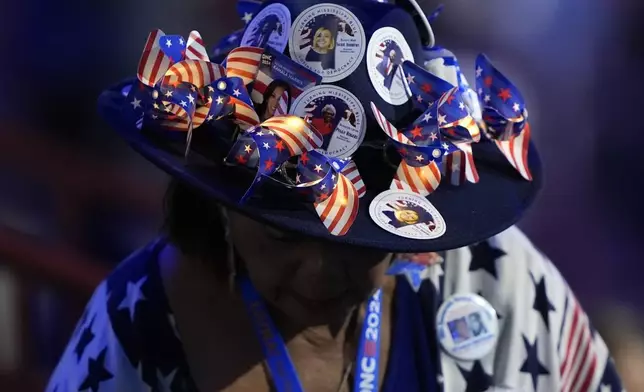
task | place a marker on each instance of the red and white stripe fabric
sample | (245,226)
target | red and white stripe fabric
(459,167)
(244,62)
(516,151)
(578,354)
(174,118)
(339,210)
(195,48)
(198,72)
(153,63)
(299,135)
(422,180)
(351,172)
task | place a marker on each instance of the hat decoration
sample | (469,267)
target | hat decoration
(181,91)
(428,144)
(504,114)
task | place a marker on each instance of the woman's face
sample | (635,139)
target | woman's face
(273,99)
(463,330)
(309,281)
(328,116)
(323,39)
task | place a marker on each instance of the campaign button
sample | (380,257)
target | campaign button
(467,327)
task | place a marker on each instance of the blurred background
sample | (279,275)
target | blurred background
(74,200)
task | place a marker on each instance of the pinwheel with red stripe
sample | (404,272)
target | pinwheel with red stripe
(505,115)
(457,126)
(419,169)
(334,196)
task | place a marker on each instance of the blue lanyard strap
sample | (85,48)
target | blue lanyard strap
(279,363)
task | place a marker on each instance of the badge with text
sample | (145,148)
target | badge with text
(467,326)
(278,83)
(271,27)
(386,51)
(337,115)
(329,40)
(407,214)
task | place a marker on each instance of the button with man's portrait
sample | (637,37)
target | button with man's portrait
(329,40)
(467,327)
(270,28)
(386,52)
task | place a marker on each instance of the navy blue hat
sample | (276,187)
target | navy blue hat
(457,158)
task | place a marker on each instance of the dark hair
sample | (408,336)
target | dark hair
(261,108)
(193,222)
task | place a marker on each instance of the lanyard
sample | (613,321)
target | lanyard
(279,363)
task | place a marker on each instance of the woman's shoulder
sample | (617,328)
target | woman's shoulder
(126,338)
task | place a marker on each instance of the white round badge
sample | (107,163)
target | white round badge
(336,114)
(329,40)
(407,214)
(271,27)
(467,326)
(385,54)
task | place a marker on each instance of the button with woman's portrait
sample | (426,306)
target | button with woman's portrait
(337,115)
(329,40)
(271,27)
(467,326)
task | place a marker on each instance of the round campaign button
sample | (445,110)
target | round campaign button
(329,40)
(385,54)
(467,326)
(271,27)
(337,115)
(407,214)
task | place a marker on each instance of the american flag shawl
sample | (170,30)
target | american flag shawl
(128,339)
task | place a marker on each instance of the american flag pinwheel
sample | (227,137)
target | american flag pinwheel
(457,127)
(504,114)
(266,147)
(169,62)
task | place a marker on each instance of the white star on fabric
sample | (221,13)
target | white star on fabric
(133,296)
(184,103)
(167,109)
(210,89)
(456,167)
(155,105)
(191,98)
(220,100)
(318,168)
(164,383)
(180,41)
(236,92)
(419,158)
(433,136)
(260,133)
(427,117)
(210,118)
(516,107)
(480,91)
(271,132)
(419,98)
(323,187)
(154,117)
(173,324)
(461,105)
(168,93)
(333,177)
(168,43)
(297,179)
(248,16)
(441,119)
(247,148)
(232,38)
(479,72)
(209,99)
(410,79)
(266,146)
(487,98)
(136,103)
(446,146)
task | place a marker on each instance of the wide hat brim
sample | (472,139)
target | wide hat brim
(472,212)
